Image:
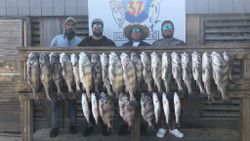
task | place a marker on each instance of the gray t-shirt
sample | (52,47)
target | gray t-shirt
(62,41)
(168,42)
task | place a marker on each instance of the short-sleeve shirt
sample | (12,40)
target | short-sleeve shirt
(62,41)
(90,41)
(168,42)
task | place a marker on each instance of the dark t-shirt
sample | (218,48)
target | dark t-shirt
(90,41)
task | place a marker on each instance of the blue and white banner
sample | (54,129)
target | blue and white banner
(117,14)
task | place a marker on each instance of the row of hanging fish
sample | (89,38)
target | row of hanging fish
(114,73)
(100,77)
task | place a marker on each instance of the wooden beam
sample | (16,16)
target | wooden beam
(245,119)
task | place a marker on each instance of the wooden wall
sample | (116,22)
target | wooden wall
(79,7)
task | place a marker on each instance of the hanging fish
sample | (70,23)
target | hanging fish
(166,71)
(166,108)
(67,73)
(229,64)
(157,107)
(207,74)
(156,70)
(85,73)
(95,107)
(123,99)
(96,72)
(45,75)
(138,67)
(33,74)
(105,78)
(129,75)
(115,73)
(56,70)
(130,110)
(177,108)
(85,108)
(197,70)
(106,109)
(186,71)
(146,72)
(176,70)
(220,74)
(147,109)
(74,61)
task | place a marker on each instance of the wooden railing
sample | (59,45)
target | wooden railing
(239,88)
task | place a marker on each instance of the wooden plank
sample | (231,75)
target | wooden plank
(227,38)
(81,7)
(214,6)
(228,24)
(231,30)
(239,6)
(58,7)
(226,6)
(202,6)
(70,7)
(245,120)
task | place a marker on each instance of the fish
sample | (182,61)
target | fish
(156,70)
(95,108)
(197,70)
(45,75)
(229,64)
(129,75)
(186,71)
(85,73)
(176,70)
(33,74)
(105,75)
(166,108)
(115,72)
(138,67)
(106,109)
(157,107)
(130,110)
(85,108)
(56,71)
(74,61)
(147,109)
(166,71)
(146,71)
(67,73)
(96,72)
(207,74)
(177,108)
(123,99)
(220,74)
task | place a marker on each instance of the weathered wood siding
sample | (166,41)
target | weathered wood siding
(79,7)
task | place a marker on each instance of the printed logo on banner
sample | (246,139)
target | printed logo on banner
(126,12)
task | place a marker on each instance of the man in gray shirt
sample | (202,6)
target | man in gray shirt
(167,30)
(66,40)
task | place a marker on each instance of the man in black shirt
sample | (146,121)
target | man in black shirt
(97,39)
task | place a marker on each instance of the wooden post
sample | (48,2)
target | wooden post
(26,118)
(135,131)
(245,119)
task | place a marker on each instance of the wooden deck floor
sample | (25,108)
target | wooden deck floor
(190,135)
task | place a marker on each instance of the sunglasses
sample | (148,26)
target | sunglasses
(167,27)
(97,25)
(136,30)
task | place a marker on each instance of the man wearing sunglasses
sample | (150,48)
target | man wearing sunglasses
(136,33)
(167,30)
(97,39)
